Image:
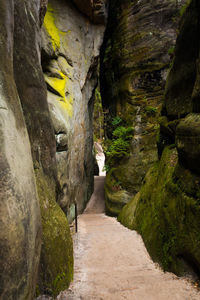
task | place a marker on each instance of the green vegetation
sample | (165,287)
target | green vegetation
(150,110)
(116,121)
(123,133)
(56,263)
(184,7)
(166,213)
(171,51)
(119,145)
(118,149)
(115,196)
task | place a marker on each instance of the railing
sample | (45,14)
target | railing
(76,218)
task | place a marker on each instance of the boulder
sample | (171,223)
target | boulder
(188,142)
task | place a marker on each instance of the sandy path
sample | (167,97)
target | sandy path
(100,157)
(111,262)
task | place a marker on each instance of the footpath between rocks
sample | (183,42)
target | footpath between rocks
(111,262)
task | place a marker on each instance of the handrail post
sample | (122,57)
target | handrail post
(76,218)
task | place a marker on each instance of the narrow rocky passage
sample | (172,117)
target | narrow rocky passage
(111,262)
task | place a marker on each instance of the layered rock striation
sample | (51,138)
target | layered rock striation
(136,55)
(166,210)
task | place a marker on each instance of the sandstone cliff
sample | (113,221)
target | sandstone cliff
(20,238)
(70,50)
(136,54)
(166,210)
(46,142)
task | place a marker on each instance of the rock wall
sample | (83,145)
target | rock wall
(136,54)
(20,236)
(71,45)
(56,265)
(166,210)
(46,139)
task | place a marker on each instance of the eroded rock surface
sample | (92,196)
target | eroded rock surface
(136,55)
(71,45)
(56,265)
(96,10)
(20,236)
(59,132)
(166,211)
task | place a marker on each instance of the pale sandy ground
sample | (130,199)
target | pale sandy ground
(111,262)
(100,157)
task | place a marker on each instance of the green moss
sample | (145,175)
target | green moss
(56,266)
(118,149)
(119,146)
(171,51)
(115,196)
(184,7)
(126,215)
(150,110)
(167,214)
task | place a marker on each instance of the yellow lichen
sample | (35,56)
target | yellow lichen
(50,26)
(67,104)
(59,85)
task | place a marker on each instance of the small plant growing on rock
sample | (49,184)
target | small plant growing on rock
(116,121)
(123,132)
(150,110)
(118,149)
(119,145)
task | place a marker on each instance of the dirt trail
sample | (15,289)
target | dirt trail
(111,262)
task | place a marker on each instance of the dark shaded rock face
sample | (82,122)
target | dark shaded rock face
(94,9)
(20,236)
(43,9)
(182,77)
(166,211)
(135,58)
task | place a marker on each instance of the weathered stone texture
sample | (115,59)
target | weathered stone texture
(96,10)
(71,46)
(135,59)
(61,137)
(56,271)
(167,210)
(20,236)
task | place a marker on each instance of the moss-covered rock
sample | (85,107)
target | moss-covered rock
(134,65)
(126,215)
(188,141)
(56,263)
(20,222)
(56,268)
(167,214)
(115,196)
